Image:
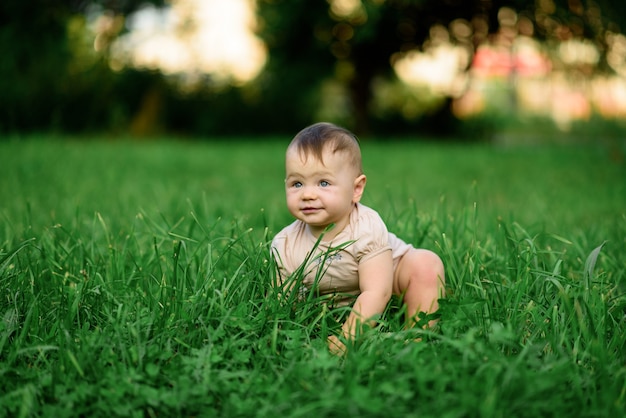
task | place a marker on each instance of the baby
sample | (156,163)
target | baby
(342,247)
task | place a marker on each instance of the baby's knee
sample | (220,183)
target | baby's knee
(430,263)
(419,269)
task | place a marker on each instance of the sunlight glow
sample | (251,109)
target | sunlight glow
(194,38)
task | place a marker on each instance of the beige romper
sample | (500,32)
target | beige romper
(332,268)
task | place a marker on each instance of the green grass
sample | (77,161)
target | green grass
(134,281)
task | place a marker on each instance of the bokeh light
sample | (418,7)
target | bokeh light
(483,69)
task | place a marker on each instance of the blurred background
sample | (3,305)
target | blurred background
(481,70)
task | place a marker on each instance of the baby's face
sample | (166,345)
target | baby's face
(322,193)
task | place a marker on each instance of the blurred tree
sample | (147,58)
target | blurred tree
(326,58)
(355,41)
(295,33)
(47,81)
(32,38)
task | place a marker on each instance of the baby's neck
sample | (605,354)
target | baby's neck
(330,232)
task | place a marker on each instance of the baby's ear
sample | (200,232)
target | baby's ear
(359,187)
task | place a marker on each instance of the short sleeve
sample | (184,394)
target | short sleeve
(372,235)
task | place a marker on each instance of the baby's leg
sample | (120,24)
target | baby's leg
(420,280)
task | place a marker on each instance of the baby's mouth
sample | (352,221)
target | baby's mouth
(309,209)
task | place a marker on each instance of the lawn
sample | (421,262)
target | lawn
(134,281)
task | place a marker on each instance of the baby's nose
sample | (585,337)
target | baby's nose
(308,193)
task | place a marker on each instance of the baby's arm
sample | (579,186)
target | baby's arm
(376,285)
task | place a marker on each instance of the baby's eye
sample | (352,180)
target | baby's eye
(324,183)
(296,184)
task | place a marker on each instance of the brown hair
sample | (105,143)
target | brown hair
(314,139)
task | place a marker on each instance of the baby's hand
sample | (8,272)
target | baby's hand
(335,346)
